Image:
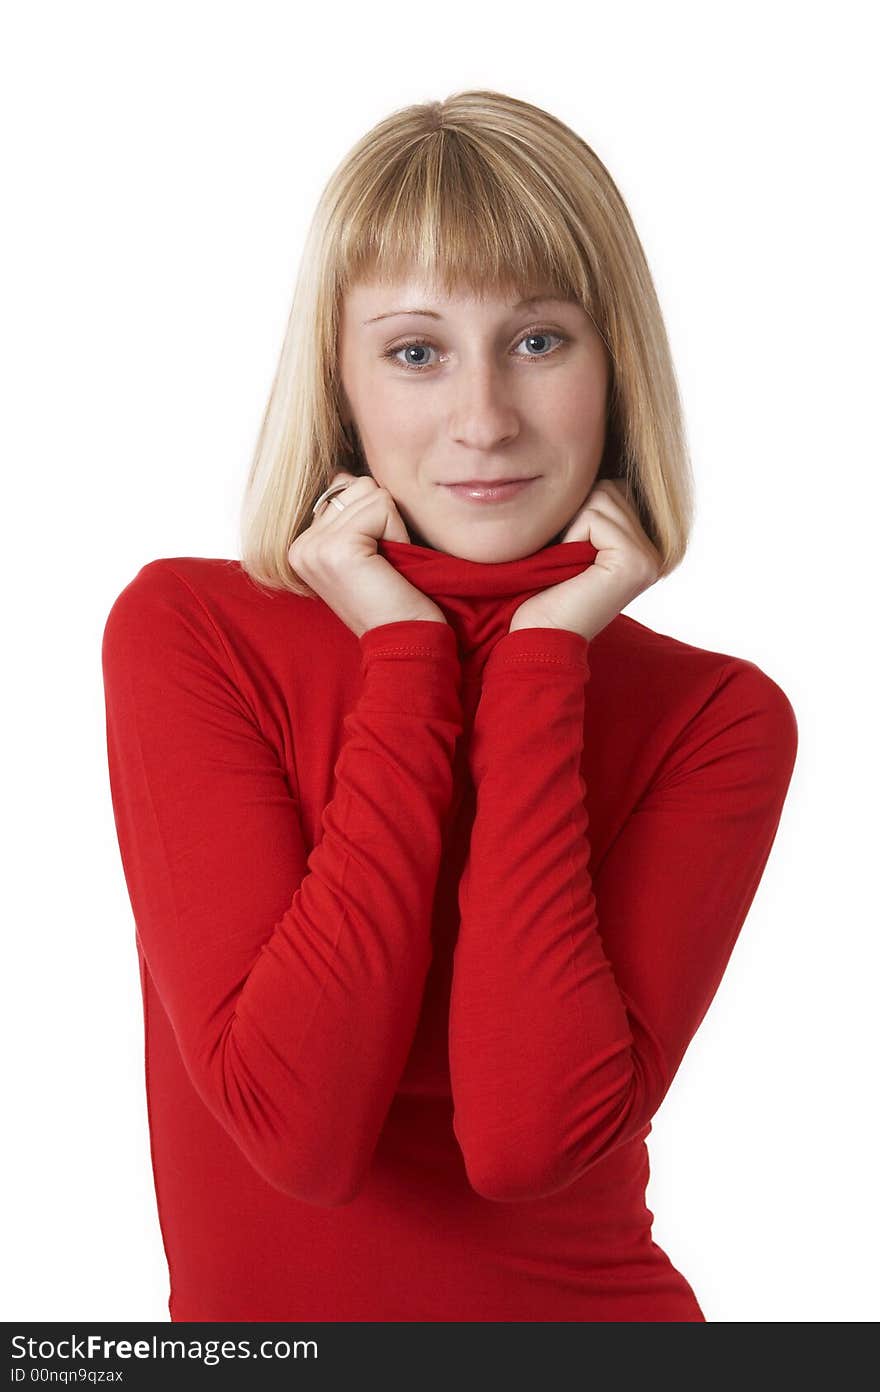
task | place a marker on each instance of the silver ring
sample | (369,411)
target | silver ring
(329,495)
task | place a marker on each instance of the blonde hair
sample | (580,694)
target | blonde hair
(479,193)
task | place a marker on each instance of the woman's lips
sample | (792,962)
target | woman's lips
(486,492)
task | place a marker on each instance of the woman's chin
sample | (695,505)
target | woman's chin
(418,539)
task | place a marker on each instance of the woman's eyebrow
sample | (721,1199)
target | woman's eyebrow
(432,313)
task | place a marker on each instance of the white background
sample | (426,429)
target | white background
(161,162)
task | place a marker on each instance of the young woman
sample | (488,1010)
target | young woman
(436,858)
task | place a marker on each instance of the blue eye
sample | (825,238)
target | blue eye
(418,346)
(422,343)
(540,333)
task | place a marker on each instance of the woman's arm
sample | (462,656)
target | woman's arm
(293,987)
(573,1002)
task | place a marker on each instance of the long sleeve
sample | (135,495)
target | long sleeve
(573,1002)
(293,985)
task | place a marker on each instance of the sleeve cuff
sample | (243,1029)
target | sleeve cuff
(412,668)
(409,638)
(537,646)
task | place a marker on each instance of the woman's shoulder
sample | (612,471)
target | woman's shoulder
(685,685)
(212,578)
(178,604)
(218,588)
(629,646)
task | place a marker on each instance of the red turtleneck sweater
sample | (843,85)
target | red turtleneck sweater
(425,922)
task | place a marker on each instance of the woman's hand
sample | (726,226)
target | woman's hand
(338,557)
(627,563)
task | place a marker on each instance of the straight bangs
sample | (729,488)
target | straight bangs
(465,224)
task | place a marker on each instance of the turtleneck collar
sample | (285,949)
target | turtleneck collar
(479,598)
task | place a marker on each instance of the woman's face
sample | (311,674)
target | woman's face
(446,390)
